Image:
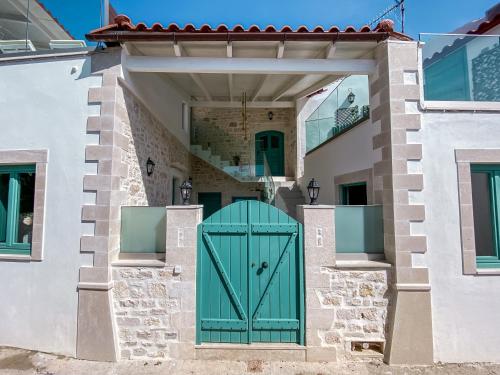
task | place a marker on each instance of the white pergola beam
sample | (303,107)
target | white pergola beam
(317,86)
(281,50)
(229,53)
(179,52)
(233,104)
(207,65)
(330,50)
(259,87)
(289,85)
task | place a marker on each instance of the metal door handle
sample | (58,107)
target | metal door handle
(265,265)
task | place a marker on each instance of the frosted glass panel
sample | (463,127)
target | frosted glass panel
(143,230)
(359,229)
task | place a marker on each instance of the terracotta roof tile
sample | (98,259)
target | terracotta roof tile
(123,29)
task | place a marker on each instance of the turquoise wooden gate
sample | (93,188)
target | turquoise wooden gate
(250,283)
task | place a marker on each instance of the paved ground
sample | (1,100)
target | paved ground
(23,362)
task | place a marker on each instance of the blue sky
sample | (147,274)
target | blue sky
(80,16)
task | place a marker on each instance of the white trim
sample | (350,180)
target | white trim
(148,64)
(413,287)
(460,105)
(222,104)
(96,286)
(47,55)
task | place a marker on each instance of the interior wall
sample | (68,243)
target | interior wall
(464,307)
(46,108)
(222,130)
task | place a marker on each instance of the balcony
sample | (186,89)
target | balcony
(346,107)
(461,67)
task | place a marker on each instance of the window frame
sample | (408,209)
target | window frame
(12,219)
(493,172)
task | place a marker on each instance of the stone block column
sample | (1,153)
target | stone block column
(319,251)
(182,226)
(394,101)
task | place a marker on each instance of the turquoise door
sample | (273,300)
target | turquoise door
(250,276)
(211,202)
(270,143)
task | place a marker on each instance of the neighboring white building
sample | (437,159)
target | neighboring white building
(102,262)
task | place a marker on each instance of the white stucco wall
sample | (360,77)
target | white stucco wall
(350,152)
(44,106)
(464,308)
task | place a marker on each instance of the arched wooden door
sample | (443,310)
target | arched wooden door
(272,144)
(250,280)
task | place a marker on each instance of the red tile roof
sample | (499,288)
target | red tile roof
(124,30)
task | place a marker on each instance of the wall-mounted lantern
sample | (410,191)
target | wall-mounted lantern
(313,190)
(150,167)
(351,97)
(186,188)
(270,115)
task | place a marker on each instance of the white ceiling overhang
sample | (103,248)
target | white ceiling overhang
(271,73)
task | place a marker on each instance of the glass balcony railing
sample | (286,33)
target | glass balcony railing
(35,27)
(345,107)
(461,67)
(143,230)
(359,229)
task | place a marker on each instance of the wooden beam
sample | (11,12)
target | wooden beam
(237,104)
(210,65)
(179,52)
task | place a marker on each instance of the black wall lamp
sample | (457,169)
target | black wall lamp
(313,191)
(186,188)
(150,167)
(351,96)
(270,115)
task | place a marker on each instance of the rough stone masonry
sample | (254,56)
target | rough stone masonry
(147,303)
(148,307)
(358,300)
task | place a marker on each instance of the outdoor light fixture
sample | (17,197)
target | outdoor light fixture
(270,115)
(351,96)
(150,166)
(313,190)
(186,188)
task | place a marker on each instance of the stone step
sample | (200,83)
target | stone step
(250,352)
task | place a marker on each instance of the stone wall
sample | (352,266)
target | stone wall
(221,129)
(207,178)
(149,138)
(146,301)
(358,301)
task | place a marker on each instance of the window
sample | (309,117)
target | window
(185,117)
(176,192)
(17,195)
(485,180)
(354,194)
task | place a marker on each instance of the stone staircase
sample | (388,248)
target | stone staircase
(288,194)
(240,173)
